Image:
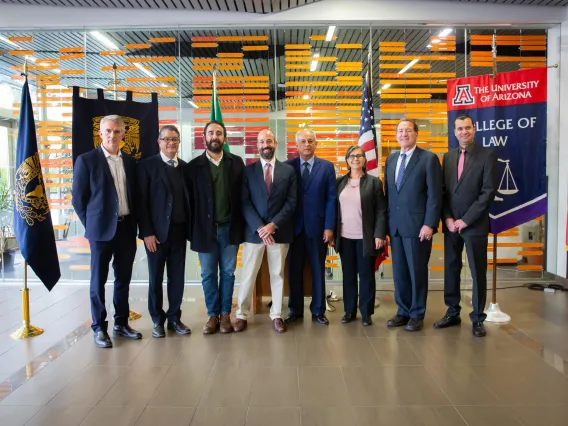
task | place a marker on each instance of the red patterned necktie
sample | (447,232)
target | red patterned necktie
(461,163)
(268,178)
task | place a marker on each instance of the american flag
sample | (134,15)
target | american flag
(367,133)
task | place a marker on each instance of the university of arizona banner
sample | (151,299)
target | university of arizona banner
(141,120)
(509,113)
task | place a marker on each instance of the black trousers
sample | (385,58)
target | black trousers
(410,258)
(476,249)
(314,249)
(122,250)
(171,253)
(353,263)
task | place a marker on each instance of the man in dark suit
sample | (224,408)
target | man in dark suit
(470,184)
(413,187)
(104,194)
(216,180)
(313,227)
(269,200)
(164,218)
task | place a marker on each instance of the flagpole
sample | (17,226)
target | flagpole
(215,90)
(26,330)
(494,313)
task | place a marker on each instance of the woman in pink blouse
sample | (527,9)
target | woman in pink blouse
(360,234)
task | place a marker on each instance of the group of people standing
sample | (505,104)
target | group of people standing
(290,210)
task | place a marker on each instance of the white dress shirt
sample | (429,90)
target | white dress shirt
(408,155)
(217,163)
(272,164)
(166,159)
(116,167)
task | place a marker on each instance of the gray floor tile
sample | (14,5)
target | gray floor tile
(60,416)
(392,351)
(181,387)
(415,386)
(115,416)
(538,415)
(228,387)
(483,416)
(378,416)
(322,387)
(273,416)
(216,416)
(327,416)
(275,387)
(17,415)
(369,386)
(135,387)
(170,416)
(435,416)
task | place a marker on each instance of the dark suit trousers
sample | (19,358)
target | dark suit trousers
(122,250)
(170,253)
(476,249)
(353,263)
(314,249)
(410,259)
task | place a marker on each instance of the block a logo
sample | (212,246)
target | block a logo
(463,96)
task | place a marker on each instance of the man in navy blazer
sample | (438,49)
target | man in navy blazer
(104,194)
(413,188)
(313,227)
(164,226)
(269,200)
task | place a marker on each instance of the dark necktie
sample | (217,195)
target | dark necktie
(305,173)
(171,163)
(401,171)
(268,178)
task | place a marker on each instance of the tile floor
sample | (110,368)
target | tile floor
(312,375)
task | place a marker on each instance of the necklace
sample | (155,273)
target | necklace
(354,186)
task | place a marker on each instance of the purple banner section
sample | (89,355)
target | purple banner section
(522,215)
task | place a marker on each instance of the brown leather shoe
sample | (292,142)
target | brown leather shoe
(279,325)
(240,325)
(211,325)
(225,326)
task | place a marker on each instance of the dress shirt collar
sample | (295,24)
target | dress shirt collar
(108,154)
(216,162)
(166,159)
(264,162)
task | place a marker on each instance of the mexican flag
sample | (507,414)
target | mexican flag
(217,115)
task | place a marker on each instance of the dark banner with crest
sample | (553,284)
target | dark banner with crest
(141,120)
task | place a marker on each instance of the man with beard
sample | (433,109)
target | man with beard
(215,180)
(269,202)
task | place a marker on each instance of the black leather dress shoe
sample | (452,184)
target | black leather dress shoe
(348,318)
(414,324)
(293,318)
(448,321)
(102,340)
(397,321)
(179,327)
(158,331)
(320,319)
(478,329)
(367,321)
(126,331)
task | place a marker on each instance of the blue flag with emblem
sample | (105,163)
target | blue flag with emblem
(32,218)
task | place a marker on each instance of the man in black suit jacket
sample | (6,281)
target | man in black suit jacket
(269,202)
(164,227)
(216,180)
(104,194)
(470,184)
(413,187)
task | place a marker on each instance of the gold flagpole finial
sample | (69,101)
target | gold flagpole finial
(26,67)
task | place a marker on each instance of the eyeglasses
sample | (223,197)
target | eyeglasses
(355,156)
(170,140)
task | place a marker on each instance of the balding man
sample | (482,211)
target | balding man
(269,201)
(314,222)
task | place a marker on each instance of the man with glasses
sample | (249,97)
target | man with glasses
(216,179)
(164,227)
(413,188)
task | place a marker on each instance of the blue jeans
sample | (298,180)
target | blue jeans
(219,292)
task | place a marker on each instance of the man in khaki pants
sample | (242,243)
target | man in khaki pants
(269,201)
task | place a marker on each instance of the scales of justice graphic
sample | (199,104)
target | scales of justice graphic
(507,186)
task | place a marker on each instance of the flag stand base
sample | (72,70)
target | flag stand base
(494,314)
(26,330)
(132,316)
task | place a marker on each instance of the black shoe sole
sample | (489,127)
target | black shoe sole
(158,335)
(127,337)
(103,346)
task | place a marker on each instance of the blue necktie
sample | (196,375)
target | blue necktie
(171,163)
(305,173)
(401,171)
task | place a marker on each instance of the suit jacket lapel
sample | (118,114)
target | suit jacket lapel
(410,166)
(106,167)
(163,172)
(259,174)
(315,168)
(392,171)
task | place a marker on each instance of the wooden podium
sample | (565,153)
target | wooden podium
(262,285)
